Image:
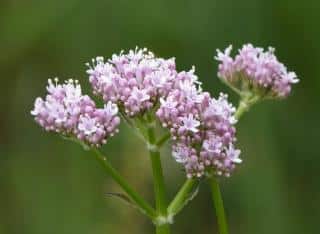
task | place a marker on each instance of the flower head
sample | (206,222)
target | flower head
(134,80)
(258,71)
(201,127)
(66,110)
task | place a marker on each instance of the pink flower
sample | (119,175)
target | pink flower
(134,80)
(201,127)
(65,110)
(257,68)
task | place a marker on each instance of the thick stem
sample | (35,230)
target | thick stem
(158,183)
(163,229)
(181,198)
(218,204)
(134,196)
(159,187)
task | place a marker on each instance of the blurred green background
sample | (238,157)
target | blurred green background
(48,185)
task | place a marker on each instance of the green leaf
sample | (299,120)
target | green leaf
(122,197)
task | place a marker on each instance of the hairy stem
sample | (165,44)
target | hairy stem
(218,204)
(159,187)
(132,194)
(181,198)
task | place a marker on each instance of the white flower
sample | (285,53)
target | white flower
(160,78)
(190,123)
(38,106)
(169,103)
(223,56)
(291,78)
(190,91)
(213,145)
(72,91)
(54,88)
(180,154)
(111,108)
(57,111)
(87,125)
(106,77)
(233,154)
(140,95)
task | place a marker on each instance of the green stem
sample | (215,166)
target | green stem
(134,196)
(163,139)
(181,198)
(163,229)
(234,89)
(244,105)
(158,182)
(159,187)
(218,204)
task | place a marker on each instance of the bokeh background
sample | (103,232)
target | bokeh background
(48,185)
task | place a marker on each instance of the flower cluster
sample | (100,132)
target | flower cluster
(258,69)
(201,127)
(134,81)
(65,110)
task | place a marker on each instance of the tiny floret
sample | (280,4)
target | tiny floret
(191,124)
